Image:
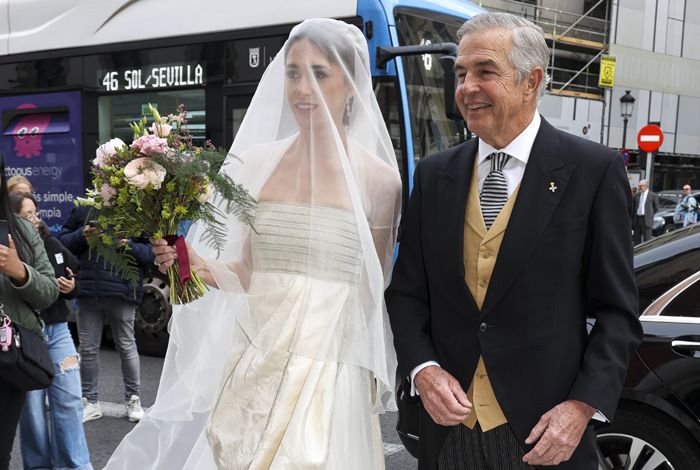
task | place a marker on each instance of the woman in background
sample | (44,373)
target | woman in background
(26,284)
(19,184)
(58,442)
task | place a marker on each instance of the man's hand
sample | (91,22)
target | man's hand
(89,230)
(442,396)
(559,432)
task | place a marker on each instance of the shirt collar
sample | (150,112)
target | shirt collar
(519,148)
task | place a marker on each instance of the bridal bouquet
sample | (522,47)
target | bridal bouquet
(149,187)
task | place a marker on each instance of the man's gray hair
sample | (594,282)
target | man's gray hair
(643,183)
(530,49)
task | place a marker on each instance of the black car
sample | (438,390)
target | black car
(663,219)
(657,423)
(663,262)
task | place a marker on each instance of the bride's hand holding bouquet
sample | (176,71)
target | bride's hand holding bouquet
(167,256)
(148,188)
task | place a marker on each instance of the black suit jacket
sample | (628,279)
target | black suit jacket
(566,254)
(651,207)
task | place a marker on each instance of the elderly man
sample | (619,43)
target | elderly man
(646,204)
(509,242)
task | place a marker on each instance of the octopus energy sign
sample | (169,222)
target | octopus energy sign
(41,139)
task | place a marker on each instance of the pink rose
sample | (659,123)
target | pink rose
(105,151)
(161,130)
(107,192)
(144,173)
(150,144)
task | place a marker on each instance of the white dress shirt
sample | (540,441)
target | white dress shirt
(519,149)
(642,201)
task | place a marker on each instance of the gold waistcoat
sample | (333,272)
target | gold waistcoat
(480,252)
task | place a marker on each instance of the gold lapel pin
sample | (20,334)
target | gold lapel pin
(552,186)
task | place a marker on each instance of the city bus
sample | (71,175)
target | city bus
(74,74)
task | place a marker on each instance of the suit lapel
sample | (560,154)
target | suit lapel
(542,187)
(453,191)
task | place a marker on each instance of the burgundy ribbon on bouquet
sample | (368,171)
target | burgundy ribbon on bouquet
(183,259)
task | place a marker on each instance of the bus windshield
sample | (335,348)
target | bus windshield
(432,130)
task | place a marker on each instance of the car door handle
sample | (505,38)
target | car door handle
(683,347)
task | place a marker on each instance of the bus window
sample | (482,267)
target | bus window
(387,92)
(236,107)
(432,130)
(117,111)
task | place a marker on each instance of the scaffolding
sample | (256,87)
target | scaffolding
(577,40)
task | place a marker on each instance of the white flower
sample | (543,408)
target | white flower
(107,194)
(161,130)
(86,201)
(105,151)
(144,173)
(206,194)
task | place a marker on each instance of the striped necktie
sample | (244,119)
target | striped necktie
(494,192)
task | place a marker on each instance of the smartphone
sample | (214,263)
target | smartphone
(4,232)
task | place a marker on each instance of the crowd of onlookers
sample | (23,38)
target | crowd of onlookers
(39,273)
(646,205)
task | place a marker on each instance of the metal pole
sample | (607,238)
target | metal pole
(602,116)
(581,17)
(647,173)
(580,71)
(624,133)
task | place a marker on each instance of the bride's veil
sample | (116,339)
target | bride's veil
(314,151)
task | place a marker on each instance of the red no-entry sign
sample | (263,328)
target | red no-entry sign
(650,138)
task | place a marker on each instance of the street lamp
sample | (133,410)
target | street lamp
(626,107)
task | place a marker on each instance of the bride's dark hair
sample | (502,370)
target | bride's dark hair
(327,41)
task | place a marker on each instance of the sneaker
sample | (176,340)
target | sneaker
(91,410)
(133,409)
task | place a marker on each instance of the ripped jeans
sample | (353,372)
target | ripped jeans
(59,441)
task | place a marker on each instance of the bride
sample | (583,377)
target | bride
(288,360)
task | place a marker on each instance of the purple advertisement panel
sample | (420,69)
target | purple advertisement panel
(41,139)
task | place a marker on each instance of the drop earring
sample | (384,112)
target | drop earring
(347,108)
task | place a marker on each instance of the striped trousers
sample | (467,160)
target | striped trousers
(472,449)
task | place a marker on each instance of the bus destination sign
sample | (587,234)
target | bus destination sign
(169,76)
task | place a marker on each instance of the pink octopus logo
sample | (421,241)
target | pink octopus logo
(29,131)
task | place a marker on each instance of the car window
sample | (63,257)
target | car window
(667,202)
(686,304)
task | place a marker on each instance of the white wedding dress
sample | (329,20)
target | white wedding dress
(281,410)
(288,363)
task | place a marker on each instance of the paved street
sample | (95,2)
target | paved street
(104,434)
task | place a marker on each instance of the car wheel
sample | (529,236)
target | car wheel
(641,437)
(152,317)
(670,228)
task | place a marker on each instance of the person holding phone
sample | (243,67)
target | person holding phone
(104,295)
(26,284)
(65,445)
